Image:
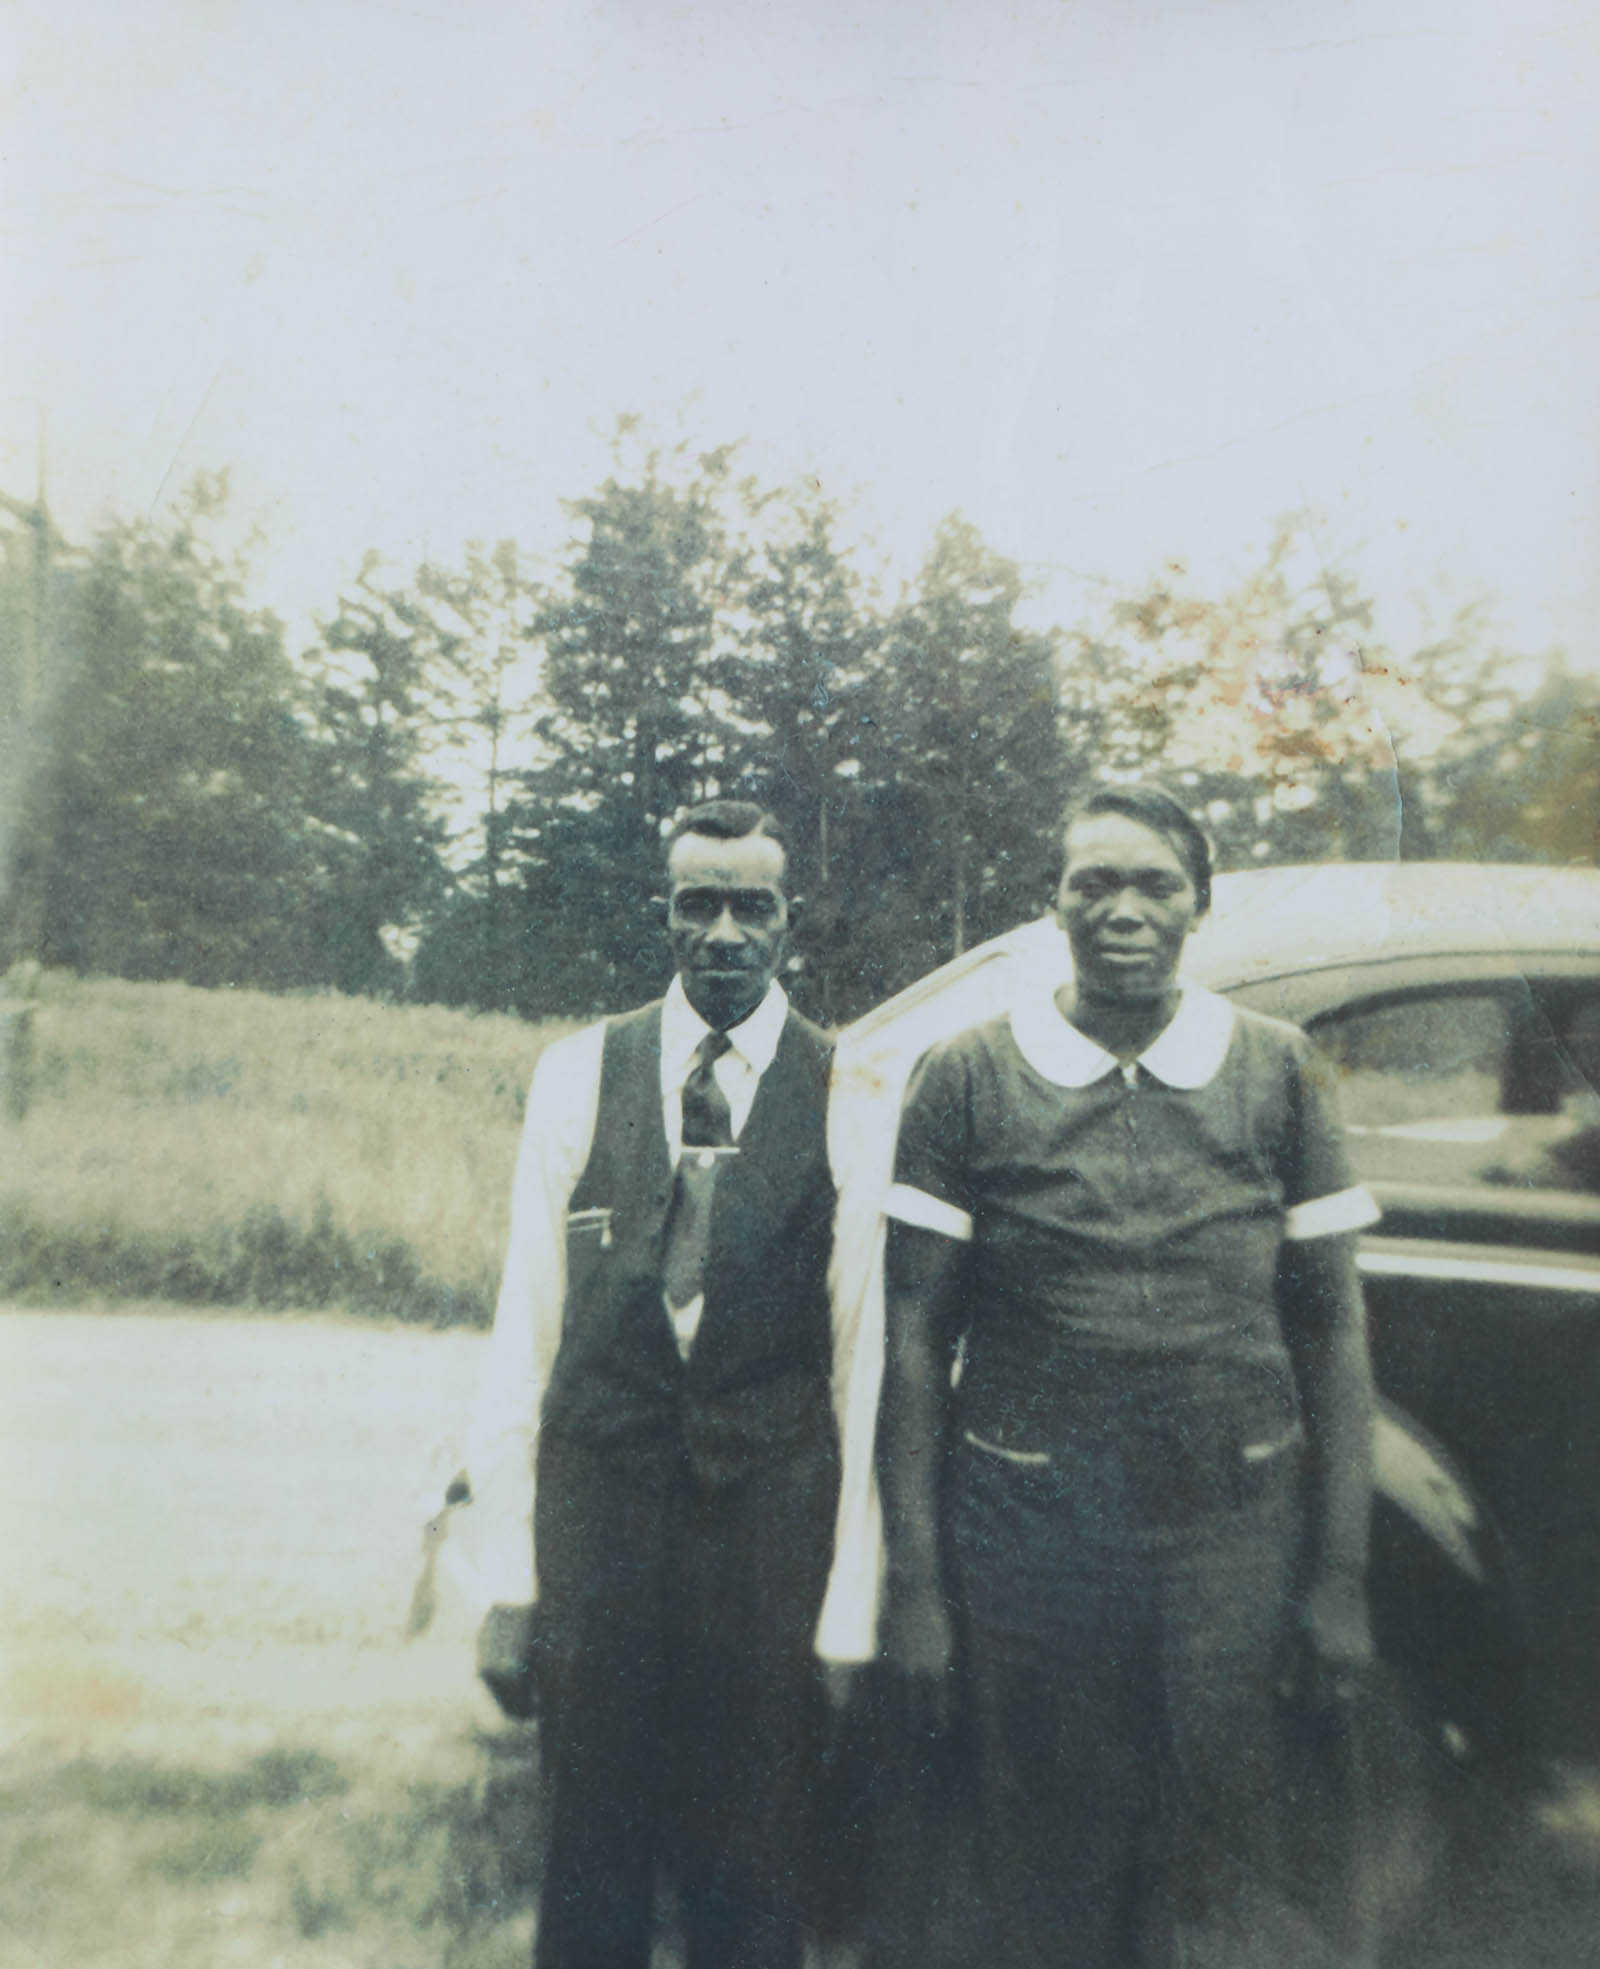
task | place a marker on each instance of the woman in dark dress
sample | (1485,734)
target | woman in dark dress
(1127,1207)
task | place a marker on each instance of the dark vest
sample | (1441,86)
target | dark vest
(757,1382)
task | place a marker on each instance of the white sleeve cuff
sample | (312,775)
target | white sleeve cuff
(927,1213)
(1326,1216)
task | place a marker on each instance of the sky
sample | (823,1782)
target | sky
(1124,283)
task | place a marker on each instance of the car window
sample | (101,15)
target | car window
(1490,1085)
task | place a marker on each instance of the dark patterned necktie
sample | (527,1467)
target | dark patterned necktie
(707,1124)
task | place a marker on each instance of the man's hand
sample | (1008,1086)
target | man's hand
(1335,1640)
(919,1647)
(839,1682)
(507,1643)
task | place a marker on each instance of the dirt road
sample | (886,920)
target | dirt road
(211,1527)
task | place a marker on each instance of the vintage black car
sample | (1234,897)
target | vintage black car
(1461,1006)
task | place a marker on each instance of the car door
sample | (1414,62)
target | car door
(1469,1093)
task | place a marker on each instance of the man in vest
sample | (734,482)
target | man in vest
(661,1369)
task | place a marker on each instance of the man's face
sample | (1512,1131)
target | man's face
(1126,904)
(728,921)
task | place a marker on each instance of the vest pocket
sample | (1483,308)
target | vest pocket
(589,1242)
(589,1226)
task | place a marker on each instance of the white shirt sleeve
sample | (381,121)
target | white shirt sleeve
(862,1110)
(556,1137)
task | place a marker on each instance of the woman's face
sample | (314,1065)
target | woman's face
(1126,904)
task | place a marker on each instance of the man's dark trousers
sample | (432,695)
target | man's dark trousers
(682,1703)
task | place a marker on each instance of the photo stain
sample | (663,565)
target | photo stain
(60,1695)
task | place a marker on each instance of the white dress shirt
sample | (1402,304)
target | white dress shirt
(754,1042)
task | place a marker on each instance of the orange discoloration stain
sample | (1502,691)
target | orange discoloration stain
(59,1693)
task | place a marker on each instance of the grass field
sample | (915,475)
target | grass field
(232,1148)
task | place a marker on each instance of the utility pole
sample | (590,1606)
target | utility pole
(36,623)
(22,698)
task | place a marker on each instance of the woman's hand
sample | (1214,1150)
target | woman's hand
(1336,1649)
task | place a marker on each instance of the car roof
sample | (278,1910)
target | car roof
(1269,922)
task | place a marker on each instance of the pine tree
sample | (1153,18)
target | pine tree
(160,830)
(635,731)
(967,775)
(373,809)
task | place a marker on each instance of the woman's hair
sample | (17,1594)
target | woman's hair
(1154,807)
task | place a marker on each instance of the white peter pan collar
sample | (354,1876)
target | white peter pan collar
(1187,1054)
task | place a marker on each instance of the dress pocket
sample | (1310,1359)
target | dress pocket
(1273,1446)
(1025,1459)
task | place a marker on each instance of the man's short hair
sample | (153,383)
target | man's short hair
(1164,814)
(728,820)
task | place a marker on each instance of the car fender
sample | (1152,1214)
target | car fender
(1447,1613)
(1416,1476)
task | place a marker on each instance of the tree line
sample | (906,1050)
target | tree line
(458,792)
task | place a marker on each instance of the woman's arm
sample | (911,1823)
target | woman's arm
(1325,1327)
(922,1295)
